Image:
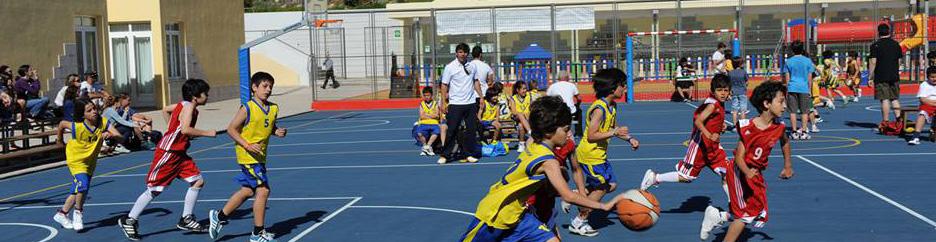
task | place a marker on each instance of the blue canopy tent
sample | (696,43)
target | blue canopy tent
(534,65)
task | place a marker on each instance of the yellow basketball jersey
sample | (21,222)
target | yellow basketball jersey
(81,152)
(429,109)
(506,200)
(490,112)
(596,153)
(522,104)
(257,129)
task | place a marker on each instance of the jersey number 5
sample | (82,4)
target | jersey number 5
(266,123)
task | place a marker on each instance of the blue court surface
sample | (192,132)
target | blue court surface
(357,176)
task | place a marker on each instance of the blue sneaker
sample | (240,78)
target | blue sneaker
(264,236)
(214,228)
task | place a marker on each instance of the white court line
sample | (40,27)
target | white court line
(379,122)
(181,201)
(329,217)
(340,167)
(52,231)
(733,134)
(331,143)
(872,192)
(418,208)
(347,131)
(316,153)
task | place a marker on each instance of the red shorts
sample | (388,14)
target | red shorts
(700,155)
(169,165)
(927,110)
(748,197)
(562,152)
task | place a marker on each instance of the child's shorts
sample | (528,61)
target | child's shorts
(928,111)
(700,154)
(252,175)
(80,183)
(748,197)
(169,165)
(528,229)
(428,129)
(740,104)
(487,124)
(598,176)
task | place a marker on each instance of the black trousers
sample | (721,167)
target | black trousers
(457,114)
(330,74)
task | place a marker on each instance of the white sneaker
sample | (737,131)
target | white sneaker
(77,221)
(422,152)
(795,135)
(441,160)
(521,147)
(819,120)
(63,220)
(429,152)
(805,136)
(649,179)
(830,104)
(914,141)
(815,129)
(566,206)
(583,229)
(120,149)
(711,221)
(471,159)
(855,99)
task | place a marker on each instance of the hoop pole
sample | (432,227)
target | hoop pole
(629,43)
(736,44)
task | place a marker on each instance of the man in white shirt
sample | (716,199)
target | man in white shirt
(460,93)
(927,96)
(71,80)
(569,93)
(87,89)
(480,70)
(718,59)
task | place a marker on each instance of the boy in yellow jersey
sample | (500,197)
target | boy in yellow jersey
(502,215)
(251,129)
(88,131)
(592,150)
(520,107)
(428,124)
(487,113)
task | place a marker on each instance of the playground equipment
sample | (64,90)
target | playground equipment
(908,32)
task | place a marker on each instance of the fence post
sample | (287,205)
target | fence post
(630,69)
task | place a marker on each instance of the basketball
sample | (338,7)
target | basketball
(639,210)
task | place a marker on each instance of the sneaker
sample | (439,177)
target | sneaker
(566,206)
(805,136)
(583,229)
(149,145)
(120,149)
(795,135)
(830,105)
(914,141)
(429,152)
(441,160)
(471,159)
(712,220)
(422,152)
(264,236)
(855,99)
(649,179)
(819,120)
(189,223)
(129,227)
(77,220)
(815,129)
(63,220)
(521,147)
(215,224)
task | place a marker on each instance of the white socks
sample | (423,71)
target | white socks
(190,196)
(667,177)
(140,204)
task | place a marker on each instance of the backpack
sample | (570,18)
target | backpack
(891,128)
(494,149)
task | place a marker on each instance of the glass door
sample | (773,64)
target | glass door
(132,62)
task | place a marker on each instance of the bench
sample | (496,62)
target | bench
(904,111)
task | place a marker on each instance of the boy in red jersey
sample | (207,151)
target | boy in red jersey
(705,148)
(746,185)
(171,160)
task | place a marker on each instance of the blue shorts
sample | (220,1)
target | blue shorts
(598,176)
(487,124)
(740,104)
(529,229)
(428,130)
(81,183)
(252,176)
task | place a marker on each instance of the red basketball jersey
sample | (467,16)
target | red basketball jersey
(715,122)
(174,140)
(758,142)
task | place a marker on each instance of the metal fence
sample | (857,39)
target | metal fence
(585,37)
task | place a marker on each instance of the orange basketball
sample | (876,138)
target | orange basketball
(639,210)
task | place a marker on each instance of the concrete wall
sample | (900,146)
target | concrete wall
(38,32)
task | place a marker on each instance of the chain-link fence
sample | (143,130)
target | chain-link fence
(393,52)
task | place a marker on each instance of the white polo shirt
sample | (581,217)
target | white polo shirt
(480,71)
(460,84)
(566,91)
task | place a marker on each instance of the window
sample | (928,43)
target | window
(174,51)
(86,44)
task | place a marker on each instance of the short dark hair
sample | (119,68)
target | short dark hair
(79,108)
(71,92)
(193,88)
(729,53)
(23,69)
(493,91)
(766,92)
(931,55)
(720,81)
(930,70)
(462,47)
(259,77)
(517,85)
(883,29)
(69,77)
(605,81)
(722,45)
(90,74)
(122,96)
(476,51)
(854,54)
(548,114)
(797,47)
(427,90)
(737,61)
